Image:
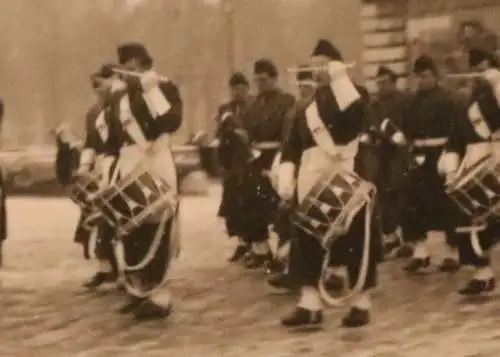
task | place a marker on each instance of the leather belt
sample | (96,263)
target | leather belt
(430,143)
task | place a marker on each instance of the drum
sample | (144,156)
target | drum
(476,190)
(137,198)
(328,209)
(92,220)
(82,187)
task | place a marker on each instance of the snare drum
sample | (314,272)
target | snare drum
(477,190)
(82,187)
(137,198)
(328,209)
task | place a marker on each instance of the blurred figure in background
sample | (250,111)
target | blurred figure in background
(233,152)
(390,156)
(3,207)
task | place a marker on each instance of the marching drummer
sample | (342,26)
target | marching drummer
(322,138)
(475,137)
(149,112)
(428,124)
(99,156)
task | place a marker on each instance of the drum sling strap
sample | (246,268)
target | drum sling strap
(324,141)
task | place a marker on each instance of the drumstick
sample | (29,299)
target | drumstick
(138,75)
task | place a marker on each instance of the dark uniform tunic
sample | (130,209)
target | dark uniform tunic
(463,135)
(264,123)
(344,127)
(429,123)
(389,162)
(233,152)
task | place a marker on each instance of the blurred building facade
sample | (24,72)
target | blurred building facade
(395,32)
(50,47)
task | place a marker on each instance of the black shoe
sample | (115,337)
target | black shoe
(334,283)
(238,253)
(275,266)
(303,318)
(133,304)
(149,310)
(100,278)
(256,261)
(449,265)
(283,281)
(417,265)
(477,287)
(404,252)
(356,317)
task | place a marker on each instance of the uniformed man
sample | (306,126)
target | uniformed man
(286,249)
(323,137)
(264,123)
(149,112)
(386,114)
(476,137)
(98,157)
(234,153)
(428,125)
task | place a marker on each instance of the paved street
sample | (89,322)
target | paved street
(220,310)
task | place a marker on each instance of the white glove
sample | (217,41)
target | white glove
(398,138)
(149,80)
(336,69)
(447,163)
(286,181)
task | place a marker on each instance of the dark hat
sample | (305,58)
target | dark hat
(424,63)
(325,48)
(304,75)
(385,71)
(128,51)
(265,66)
(106,71)
(476,56)
(237,79)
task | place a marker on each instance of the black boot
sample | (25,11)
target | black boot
(417,265)
(356,317)
(275,266)
(477,287)
(449,265)
(283,281)
(303,318)
(256,261)
(239,253)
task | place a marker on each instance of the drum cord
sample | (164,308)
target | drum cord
(151,253)
(365,260)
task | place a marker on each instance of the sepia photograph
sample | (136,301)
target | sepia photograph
(249,178)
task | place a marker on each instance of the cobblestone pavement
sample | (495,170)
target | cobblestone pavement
(220,310)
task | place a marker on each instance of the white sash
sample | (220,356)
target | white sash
(478,122)
(323,139)
(101,126)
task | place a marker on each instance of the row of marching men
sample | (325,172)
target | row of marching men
(124,179)
(356,178)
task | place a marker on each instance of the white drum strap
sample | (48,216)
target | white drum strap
(365,261)
(124,268)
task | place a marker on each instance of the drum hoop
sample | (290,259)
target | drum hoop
(461,181)
(142,216)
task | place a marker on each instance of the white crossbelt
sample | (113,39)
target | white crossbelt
(430,143)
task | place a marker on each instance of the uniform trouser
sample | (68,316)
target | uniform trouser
(348,249)
(388,202)
(104,248)
(136,247)
(426,206)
